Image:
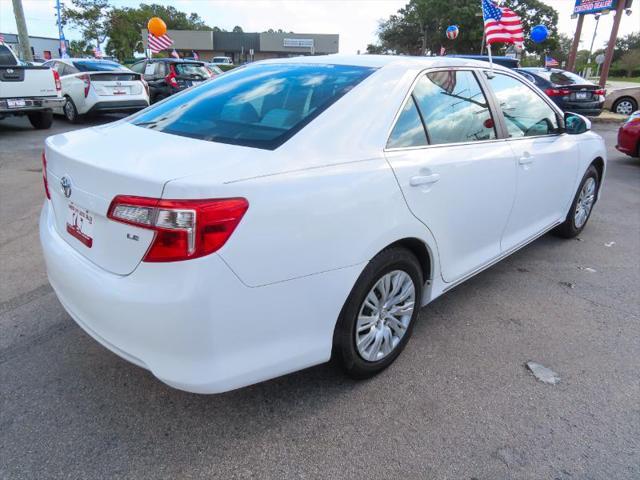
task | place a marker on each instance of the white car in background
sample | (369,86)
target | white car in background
(252,225)
(222,61)
(98,86)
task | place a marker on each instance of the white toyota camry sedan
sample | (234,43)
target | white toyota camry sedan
(298,208)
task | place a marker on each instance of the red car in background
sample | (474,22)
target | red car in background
(629,136)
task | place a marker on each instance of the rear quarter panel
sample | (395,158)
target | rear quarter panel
(310,221)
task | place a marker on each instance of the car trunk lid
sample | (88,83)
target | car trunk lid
(87,169)
(116,83)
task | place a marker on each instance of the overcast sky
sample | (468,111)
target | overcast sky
(355,20)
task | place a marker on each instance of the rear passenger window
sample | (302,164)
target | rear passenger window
(526,114)
(409,131)
(454,108)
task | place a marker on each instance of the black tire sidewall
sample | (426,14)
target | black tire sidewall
(41,120)
(634,104)
(75,110)
(570,221)
(344,341)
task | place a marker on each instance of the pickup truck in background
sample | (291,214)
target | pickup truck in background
(28,90)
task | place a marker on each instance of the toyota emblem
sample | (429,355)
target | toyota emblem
(65,184)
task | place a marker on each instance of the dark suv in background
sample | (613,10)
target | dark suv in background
(167,76)
(569,91)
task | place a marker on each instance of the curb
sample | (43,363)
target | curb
(608,119)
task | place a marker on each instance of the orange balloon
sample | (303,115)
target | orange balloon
(157,26)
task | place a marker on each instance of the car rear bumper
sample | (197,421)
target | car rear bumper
(194,324)
(31,104)
(118,106)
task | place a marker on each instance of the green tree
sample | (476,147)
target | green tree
(419,28)
(630,61)
(237,29)
(625,44)
(126,23)
(80,48)
(90,17)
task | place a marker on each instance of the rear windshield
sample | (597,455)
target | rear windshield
(96,66)
(258,106)
(6,57)
(562,78)
(191,70)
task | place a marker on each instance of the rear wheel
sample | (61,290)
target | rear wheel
(41,120)
(377,319)
(625,106)
(71,112)
(582,205)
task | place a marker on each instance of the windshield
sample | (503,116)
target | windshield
(562,78)
(97,66)
(259,106)
(191,70)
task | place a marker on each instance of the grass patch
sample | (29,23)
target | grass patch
(624,79)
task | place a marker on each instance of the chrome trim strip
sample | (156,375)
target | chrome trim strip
(500,257)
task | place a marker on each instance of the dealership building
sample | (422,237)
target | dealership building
(242,47)
(43,48)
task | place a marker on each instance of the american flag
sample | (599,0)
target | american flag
(1,38)
(97,52)
(157,44)
(195,55)
(445,79)
(501,24)
(174,54)
(550,61)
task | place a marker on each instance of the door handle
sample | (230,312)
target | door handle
(525,160)
(424,179)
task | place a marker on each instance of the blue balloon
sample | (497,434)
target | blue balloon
(539,33)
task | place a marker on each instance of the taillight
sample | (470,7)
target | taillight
(557,92)
(184,229)
(171,78)
(602,92)
(56,79)
(87,83)
(44,175)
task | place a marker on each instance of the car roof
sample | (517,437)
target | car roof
(379,61)
(172,60)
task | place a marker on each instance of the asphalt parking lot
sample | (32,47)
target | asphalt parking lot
(458,404)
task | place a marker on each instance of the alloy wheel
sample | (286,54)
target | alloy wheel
(69,111)
(585,202)
(385,315)
(625,107)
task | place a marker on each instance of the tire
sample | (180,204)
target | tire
(41,120)
(71,112)
(625,106)
(402,269)
(575,222)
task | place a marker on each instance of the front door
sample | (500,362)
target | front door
(547,161)
(456,176)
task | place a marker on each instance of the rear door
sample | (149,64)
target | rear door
(457,175)
(546,158)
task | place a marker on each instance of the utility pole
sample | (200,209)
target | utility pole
(608,58)
(571,63)
(23,34)
(63,44)
(593,39)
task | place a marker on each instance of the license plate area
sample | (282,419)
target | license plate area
(582,95)
(16,103)
(80,223)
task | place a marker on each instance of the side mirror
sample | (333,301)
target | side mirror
(576,124)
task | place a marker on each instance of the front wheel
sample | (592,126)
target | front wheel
(41,120)
(377,319)
(582,205)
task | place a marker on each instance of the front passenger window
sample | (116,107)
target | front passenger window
(526,114)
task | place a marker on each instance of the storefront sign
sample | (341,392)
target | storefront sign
(298,42)
(593,6)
